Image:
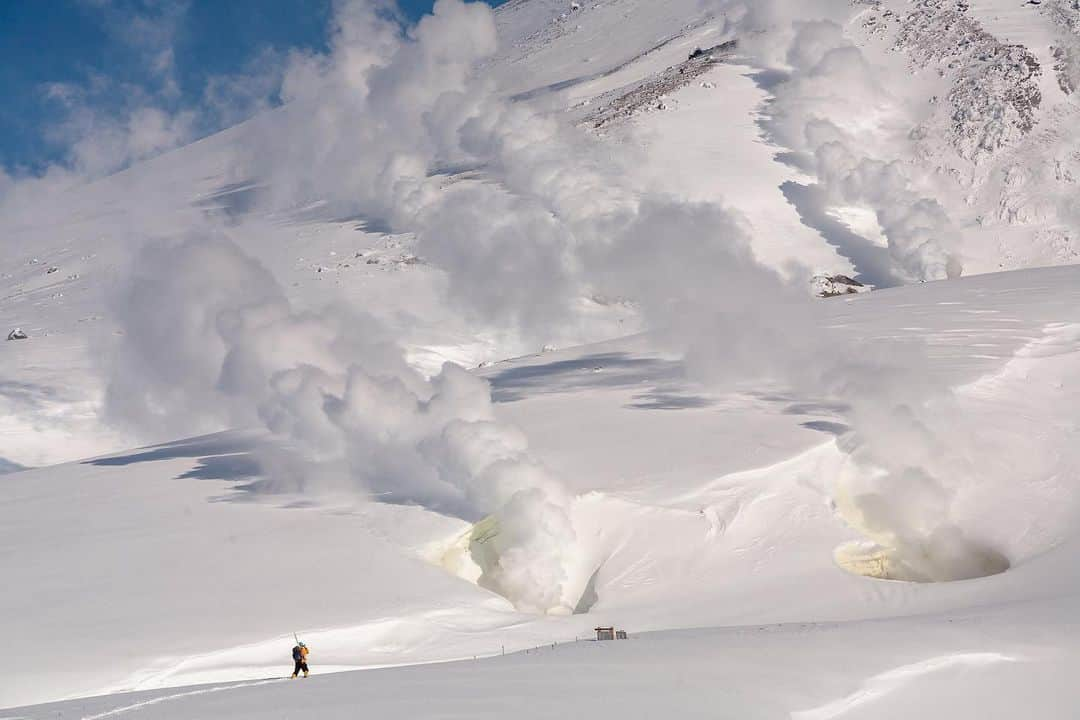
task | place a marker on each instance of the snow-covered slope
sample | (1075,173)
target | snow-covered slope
(1005,113)
(891,141)
(983,664)
(1010,200)
(693,509)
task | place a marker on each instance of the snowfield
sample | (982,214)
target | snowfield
(231,422)
(681,530)
(961,667)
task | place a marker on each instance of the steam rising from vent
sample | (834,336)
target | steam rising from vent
(220,345)
(828,108)
(834,109)
(376,133)
(211,341)
(906,461)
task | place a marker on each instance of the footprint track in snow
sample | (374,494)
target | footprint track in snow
(176,696)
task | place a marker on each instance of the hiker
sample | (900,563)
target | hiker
(299,656)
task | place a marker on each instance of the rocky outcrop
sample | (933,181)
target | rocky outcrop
(836,285)
(995,96)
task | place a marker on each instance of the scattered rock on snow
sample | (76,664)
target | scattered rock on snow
(836,285)
(653,91)
(995,92)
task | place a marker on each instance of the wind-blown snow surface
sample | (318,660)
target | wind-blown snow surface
(983,664)
(925,432)
(692,509)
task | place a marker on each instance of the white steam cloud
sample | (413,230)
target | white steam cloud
(834,107)
(379,117)
(908,442)
(211,341)
(382,119)
(373,128)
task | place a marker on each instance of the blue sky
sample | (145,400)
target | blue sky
(98,54)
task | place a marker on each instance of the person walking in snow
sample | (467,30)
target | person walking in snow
(299,656)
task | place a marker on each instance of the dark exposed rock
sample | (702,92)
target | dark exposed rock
(836,285)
